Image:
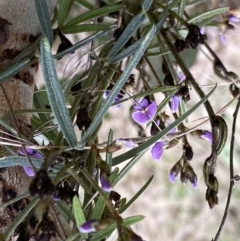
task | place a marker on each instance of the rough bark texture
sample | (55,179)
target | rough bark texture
(19,26)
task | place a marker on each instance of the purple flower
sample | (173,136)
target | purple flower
(32,153)
(233,19)
(194,182)
(116,99)
(207,135)
(172,177)
(89,226)
(145,111)
(175,170)
(174,103)
(29,171)
(157,150)
(106,185)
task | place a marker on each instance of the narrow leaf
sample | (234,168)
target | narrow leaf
(118,86)
(208,14)
(83,42)
(93,14)
(64,8)
(119,159)
(44,19)
(135,197)
(78,213)
(147,4)
(128,167)
(127,33)
(126,52)
(85,28)
(13,70)
(55,95)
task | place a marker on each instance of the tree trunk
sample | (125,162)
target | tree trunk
(19,26)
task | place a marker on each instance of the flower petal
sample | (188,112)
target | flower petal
(174,103)
(140,117)
(207,135)
(172,177)
(233,19)
(89,226)
(141,105)
(157,150)
(151,110)
(106,185)
(29,171)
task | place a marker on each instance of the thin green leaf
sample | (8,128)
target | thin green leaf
(65,208)
(182,8)
(83,42)
(119,159)
(13,70)
(127,33)
(147,4)
(157,53)
(64,8)
(109,155)
(126,52)
(20,218)
(208,14)
(118,86)
(135,197)
(93,14)
(55,95)
(128,167)
(44,19)
(86,4)
(98,208)
(151,91)
(85,28)
(78,213)
(106,232)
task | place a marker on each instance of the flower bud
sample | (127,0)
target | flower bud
(234,90)
(188,152)
(211,197)
(168,80)
(175,170)
(180,45)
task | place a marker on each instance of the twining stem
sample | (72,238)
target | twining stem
(231,172)
(190,78)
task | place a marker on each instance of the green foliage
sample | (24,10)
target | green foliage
(142,37)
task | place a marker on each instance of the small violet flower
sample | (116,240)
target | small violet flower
(106,185)
(174,103)
(175,100)
(144,111)
(32,153)
(116,99)
(157,150)
(233,19)
(89,226)
(207,135)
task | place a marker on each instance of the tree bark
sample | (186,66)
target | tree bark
(19,26)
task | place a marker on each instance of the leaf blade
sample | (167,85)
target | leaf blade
(55,95)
